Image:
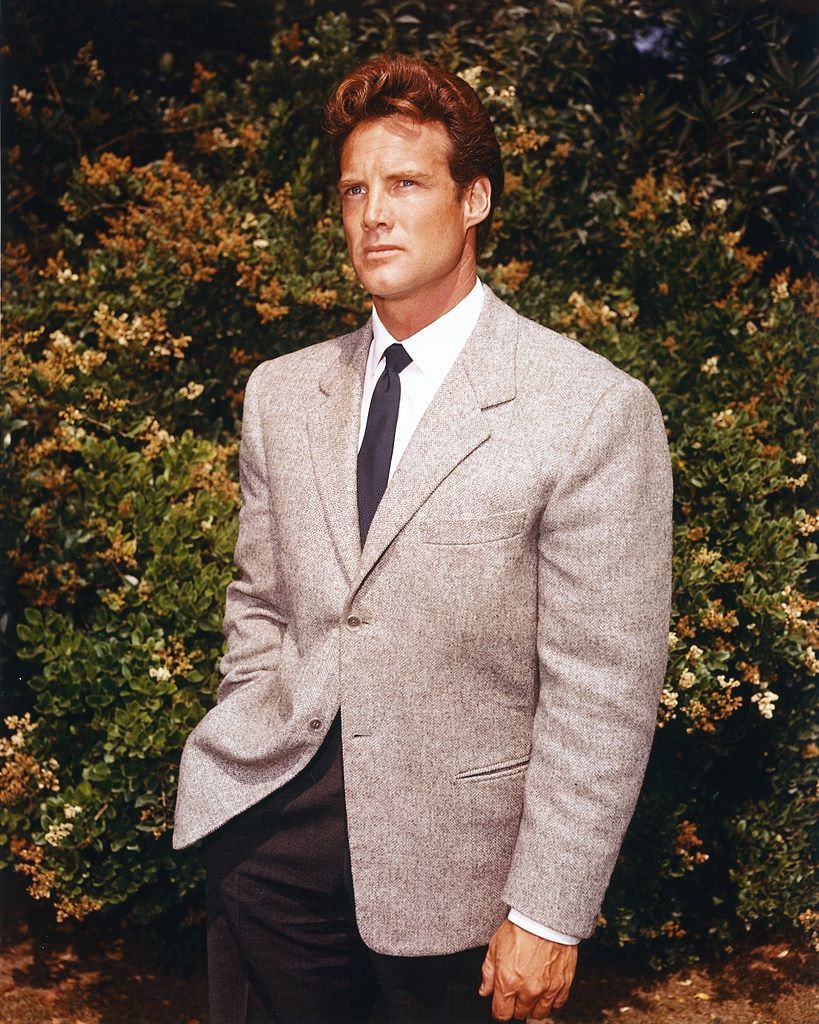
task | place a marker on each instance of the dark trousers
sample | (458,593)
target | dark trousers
(283,946)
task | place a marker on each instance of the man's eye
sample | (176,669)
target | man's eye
(407,181)
(355,190)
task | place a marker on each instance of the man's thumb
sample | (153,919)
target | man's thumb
(488,973)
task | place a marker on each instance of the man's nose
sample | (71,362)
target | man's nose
(377,210)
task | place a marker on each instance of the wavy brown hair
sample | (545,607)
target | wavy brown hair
(387,86)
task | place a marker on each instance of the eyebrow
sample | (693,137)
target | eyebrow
(397,176)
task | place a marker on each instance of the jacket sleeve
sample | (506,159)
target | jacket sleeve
(253,624)
(604,592)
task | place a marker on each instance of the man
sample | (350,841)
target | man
(454,558)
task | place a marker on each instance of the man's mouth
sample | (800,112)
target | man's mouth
(380,251)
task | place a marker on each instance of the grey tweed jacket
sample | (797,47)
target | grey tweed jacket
(497,650)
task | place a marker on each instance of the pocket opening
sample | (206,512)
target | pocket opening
(495,771)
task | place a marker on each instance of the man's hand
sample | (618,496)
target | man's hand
(527,974)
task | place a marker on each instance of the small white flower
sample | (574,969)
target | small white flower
(61,341)
(796,481)
(725,418)
(710,367)
(687,679)
(472,75)
(764,700)
(668,699)
(780,291)
(57,832)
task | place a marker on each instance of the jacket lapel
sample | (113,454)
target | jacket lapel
(453,425)
(333,429)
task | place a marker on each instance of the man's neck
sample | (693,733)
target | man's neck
(404,317)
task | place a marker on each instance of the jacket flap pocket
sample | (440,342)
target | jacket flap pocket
(474,531)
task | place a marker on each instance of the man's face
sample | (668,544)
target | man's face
(406,229)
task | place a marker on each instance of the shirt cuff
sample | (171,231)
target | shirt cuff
(522,921)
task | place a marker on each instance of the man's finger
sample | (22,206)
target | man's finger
(563,994)
(524,1008)
(525,1004)
(543,1007)
(503,1005)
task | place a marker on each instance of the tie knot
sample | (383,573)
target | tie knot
(397,358)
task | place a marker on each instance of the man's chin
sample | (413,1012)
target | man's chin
(387,291)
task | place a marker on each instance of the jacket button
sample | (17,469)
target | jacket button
(353,621)
(315,723)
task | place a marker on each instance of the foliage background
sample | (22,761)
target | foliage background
(170,221)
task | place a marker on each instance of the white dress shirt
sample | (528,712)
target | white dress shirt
(433,349)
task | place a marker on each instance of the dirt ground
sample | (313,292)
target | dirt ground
(90,974)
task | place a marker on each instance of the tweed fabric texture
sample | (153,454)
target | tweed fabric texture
(497,649)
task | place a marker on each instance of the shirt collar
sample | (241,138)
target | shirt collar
(436,347)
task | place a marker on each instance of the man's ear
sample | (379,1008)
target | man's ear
(477,201)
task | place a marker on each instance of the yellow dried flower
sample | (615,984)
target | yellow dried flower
(512,274)
(681,229)
(191,391)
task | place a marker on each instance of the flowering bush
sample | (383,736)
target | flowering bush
(128,345)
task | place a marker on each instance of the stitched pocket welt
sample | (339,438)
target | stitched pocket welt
(499,526)
(498,770)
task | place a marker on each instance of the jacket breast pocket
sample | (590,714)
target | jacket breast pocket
(499,526)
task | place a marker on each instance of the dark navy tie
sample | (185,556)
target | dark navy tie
(375,453)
